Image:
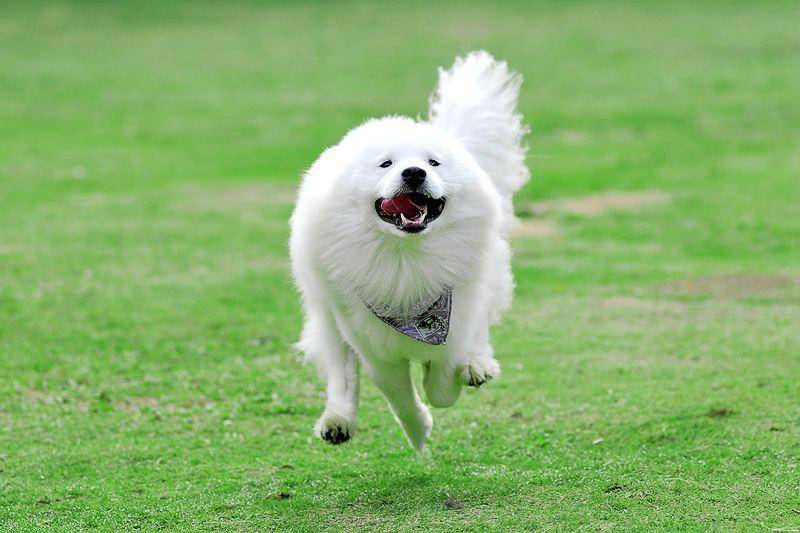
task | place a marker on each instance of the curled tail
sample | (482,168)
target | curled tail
(476,101)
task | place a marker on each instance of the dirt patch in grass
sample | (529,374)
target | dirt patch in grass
(238,197)
(628,302)
(98,199)
(596,204)
(467,28)
(734,285)
(570,136)
(537,218)
(720,412)
(6,249)
(537,228)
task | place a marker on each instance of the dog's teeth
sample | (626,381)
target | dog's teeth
(403,219)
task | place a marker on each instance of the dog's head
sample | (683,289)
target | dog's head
(399,210)
(410,179)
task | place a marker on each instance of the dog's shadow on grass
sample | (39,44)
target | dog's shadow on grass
(415,485)
(394,491)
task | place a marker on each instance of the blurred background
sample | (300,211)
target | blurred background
(149,156)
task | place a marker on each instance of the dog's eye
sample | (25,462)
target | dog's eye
(386,164)
(433,162)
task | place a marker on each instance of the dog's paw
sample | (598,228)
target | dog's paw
(476,373)
(334,429)
(419,432)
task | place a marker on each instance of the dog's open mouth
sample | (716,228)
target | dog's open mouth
(409,212)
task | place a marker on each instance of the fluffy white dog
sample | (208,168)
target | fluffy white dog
(399,248)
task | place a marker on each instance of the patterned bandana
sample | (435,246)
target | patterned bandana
(431,326)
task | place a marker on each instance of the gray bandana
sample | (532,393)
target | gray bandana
(430,326)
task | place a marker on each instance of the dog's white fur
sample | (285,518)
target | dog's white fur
(343,254)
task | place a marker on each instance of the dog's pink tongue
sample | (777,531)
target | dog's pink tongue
(401,204)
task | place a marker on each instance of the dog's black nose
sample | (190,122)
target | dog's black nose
(413,176)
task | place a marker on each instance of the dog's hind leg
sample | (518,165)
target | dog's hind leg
(338,422)
(339,366)
(442,386)
(393,378)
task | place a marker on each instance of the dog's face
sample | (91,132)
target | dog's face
(404,178)
(414,191)
(398,210)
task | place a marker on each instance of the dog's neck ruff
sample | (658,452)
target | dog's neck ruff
(430,326)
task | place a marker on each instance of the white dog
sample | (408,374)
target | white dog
(398,247)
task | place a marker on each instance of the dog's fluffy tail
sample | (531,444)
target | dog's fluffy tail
(476,101)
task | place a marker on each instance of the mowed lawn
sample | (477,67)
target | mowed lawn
(149,155)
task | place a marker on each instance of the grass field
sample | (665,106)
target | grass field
(148,158)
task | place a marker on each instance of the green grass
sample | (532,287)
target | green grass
(148,156)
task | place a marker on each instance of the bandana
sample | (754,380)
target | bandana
(430,326)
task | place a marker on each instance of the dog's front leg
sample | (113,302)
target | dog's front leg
(441,383)
(466,366)
(338,422)
(479,367)
(393,378)
(477,364)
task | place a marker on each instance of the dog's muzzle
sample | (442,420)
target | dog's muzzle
(410,212)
